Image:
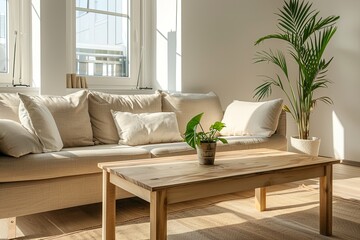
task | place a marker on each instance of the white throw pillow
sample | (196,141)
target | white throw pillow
(16,141)
(37,119)
(252,118)
(144,128)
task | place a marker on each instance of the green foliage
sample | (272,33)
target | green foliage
(307,36)
(193,137)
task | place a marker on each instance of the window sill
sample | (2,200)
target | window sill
(113,91)
(26,90)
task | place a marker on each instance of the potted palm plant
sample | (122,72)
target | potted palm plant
(306,35)
(204,142)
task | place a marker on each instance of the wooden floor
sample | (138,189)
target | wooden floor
(346,185)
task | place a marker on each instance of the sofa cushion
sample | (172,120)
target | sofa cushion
(187,105)
(16,141)
(252,118)
(67,162)
(168,149)
(9,106)
(278,142)
(72,117)
(37,119)
(100,104)
(144,128)
(234,143)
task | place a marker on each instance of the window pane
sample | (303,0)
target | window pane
(118,6)
(82,3)
(3,37)
(102,42)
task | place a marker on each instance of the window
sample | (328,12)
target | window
(102,38)
(3,36)
(14,30)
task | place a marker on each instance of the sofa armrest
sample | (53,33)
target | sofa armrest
(281,128)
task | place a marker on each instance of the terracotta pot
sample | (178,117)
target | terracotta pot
(206,153)
(308,146)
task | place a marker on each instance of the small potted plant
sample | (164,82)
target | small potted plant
(204,142)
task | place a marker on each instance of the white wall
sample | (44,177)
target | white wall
(218,45)
(339,124)
(218,51)
(53,47)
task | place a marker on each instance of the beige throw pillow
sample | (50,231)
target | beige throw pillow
(102,121)
(16,141)
(9,106)
(187,105)
(37,119)
(145,128)
(252,118)
(72,118)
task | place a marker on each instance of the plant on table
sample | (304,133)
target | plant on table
(204,142)
(195,138)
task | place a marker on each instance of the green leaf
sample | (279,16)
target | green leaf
(223,140)
(193,138)
(218,126)
(190,133)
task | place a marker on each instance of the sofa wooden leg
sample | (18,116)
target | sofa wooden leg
(12,228)
(260,199)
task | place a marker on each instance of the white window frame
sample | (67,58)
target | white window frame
(135,46)
(18,19)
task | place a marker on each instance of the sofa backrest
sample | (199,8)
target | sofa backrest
(102,121)
(185,106)
(188,105)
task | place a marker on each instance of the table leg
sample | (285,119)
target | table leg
(12,228)
(158,215)
(108,208)
(260,199)
(326,202)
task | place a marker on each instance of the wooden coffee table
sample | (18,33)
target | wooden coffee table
(163,181)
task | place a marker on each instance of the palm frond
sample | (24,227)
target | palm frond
(277,58)
(264,90)
(272,36)
(323,99)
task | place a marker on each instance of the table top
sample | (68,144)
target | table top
(169,172)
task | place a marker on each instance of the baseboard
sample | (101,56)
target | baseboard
(346,162)
(350,162)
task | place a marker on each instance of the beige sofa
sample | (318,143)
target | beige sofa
(70,177)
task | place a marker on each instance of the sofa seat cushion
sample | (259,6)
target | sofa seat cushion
(67,162)
(234,143)
(168,149)
(276,141)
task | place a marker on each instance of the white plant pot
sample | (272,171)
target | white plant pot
(308,146)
